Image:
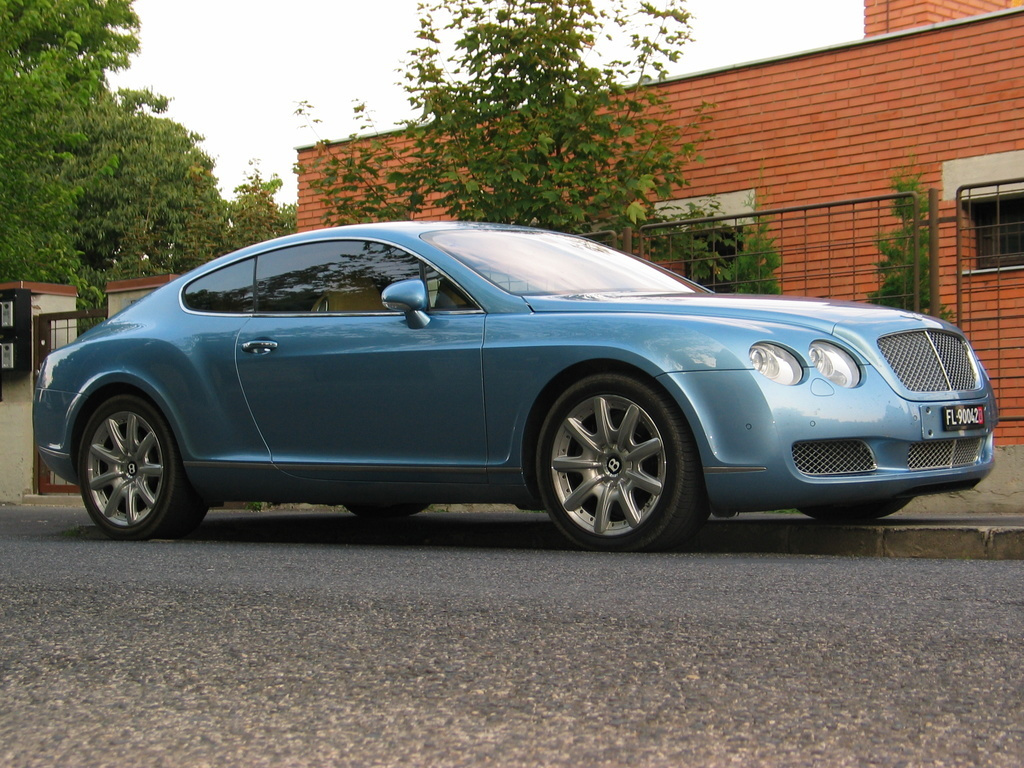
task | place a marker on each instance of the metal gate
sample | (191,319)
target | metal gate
(51,332)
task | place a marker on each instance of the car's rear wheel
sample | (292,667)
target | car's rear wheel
(618,467)
(854,512)
(390,510)
(133,482)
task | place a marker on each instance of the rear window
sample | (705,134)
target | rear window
(228,290)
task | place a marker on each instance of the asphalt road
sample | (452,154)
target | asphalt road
(222,652)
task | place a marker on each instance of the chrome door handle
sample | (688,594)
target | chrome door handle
(260,347)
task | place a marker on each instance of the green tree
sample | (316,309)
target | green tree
(524,123)
(54,54)
(147,199)
(899,247)
(254,215)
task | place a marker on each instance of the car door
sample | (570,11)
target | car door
(342,388)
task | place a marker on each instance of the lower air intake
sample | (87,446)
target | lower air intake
(833,457)
(944,454)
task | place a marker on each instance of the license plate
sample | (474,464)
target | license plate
(958,417)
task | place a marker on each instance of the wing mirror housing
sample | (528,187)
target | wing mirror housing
(410,297)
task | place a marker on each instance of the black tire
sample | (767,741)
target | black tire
(132,479)
(854,512)
(391,510)
(618,468)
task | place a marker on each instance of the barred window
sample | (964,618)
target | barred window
(999,226)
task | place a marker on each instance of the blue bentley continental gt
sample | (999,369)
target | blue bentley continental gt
(388,367)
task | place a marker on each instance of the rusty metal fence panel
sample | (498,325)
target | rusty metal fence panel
(56,329)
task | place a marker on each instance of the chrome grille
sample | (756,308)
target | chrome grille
(833,457)
(930,361)
(944,454)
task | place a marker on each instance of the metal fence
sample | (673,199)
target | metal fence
(872,248)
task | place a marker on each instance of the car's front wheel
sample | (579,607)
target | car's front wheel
(618,467)
(133,482)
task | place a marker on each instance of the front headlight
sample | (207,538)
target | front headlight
(778,364)
(835,364)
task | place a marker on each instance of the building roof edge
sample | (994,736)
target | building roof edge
(888,36)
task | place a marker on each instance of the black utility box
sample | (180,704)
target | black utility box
(16,329)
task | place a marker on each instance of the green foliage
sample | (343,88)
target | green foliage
(254,215)
(209,228)
(757,258)
(53,54)
(96,186)
(147,198)
(897,247)
(523,123)
(734,254)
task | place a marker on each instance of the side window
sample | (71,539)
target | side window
(331,276)
(444,294)
(227,290)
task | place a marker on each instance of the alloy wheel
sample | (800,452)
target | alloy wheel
(124,469)
(608,465)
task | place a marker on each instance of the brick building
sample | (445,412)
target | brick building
(935,84)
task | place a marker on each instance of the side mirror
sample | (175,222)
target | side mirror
(409,296)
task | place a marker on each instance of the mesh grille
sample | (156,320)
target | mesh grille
(944,454)
(930,361)
(833,457)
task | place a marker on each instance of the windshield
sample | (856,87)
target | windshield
(535,263)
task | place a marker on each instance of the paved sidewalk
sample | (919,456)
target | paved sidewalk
(964,536)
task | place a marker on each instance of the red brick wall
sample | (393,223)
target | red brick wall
(883,16)
(311,210)
(838,123)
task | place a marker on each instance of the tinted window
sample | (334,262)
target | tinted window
(444,294)
(332,276)
(226,290)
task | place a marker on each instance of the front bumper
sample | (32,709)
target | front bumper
(765,446)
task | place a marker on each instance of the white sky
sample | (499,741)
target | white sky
(236,70)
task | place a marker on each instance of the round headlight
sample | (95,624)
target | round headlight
(835,364)
(778,364)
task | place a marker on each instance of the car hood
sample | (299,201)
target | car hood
(822,315)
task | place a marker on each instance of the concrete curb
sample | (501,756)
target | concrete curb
(963,536)
(954,539)
(56,500)
(998,537)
